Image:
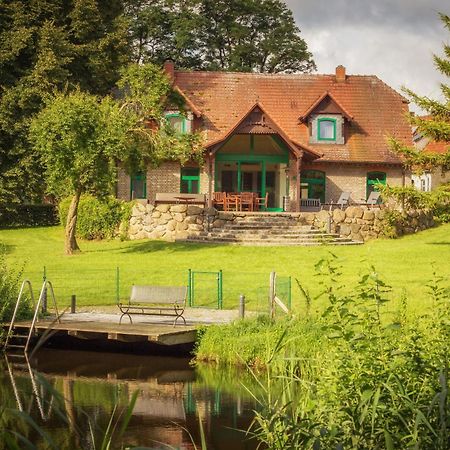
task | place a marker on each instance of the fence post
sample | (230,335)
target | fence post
(189,287)
(44,294)
(117,285)
(220,287)
(73,304)
(241,306)
(272,294)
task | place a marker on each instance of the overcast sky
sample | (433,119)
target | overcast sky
(393,39)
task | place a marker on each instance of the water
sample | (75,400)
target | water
(69,393)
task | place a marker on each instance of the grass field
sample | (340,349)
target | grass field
(405,263)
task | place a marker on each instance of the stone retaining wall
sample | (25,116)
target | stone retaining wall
(170,222)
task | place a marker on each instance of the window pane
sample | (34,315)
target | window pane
(176,122)
(194,187)
(184,189)
(190,172)
(327,129)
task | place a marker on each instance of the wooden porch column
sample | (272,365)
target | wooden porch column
(210,178)
(298,168)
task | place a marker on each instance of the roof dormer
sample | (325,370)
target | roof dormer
(326,119)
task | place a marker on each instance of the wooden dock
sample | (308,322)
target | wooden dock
(140,332)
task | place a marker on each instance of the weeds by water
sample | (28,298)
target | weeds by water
(355,375)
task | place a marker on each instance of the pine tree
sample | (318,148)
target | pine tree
(437,126)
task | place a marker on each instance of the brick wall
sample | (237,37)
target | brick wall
(353,178)
(164,178)
(123,185)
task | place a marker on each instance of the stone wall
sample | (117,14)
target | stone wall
(170,222)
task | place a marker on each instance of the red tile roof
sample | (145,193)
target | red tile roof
(377,110)
(437,147)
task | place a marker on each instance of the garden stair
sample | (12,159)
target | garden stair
(267,230)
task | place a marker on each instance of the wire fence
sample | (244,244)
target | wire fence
(207,289)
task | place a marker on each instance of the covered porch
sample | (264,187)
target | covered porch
(256,160)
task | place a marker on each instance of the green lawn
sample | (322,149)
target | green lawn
(405,263)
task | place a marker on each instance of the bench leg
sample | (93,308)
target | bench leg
(125,314)
(179,316)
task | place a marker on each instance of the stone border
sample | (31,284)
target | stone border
(170,222)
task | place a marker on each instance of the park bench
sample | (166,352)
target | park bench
(155,301)
(171,198)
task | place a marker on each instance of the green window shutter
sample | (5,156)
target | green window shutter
(190,180)
(326,129)
(315,180)
(374,178)
(138,185)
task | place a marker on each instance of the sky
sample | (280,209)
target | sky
(393,39)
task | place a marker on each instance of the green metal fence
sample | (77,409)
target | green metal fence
(208,289)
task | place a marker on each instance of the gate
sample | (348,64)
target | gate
(205,289)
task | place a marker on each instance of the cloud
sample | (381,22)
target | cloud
(393,39)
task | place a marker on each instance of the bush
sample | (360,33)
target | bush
(9,290)
(28,216)
(98,218)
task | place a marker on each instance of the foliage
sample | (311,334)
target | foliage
(9,290)
(97,218)
(354,375)
(437,201)
(146,93)
(45,46)
(28,216)
(436,127)
(236,35)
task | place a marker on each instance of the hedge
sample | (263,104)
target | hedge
(42,215)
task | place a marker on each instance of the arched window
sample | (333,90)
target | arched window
(313,184)
(374,178)
(326,129)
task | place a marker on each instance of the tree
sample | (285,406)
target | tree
(236,35)
(437,127)
(81,139)
(47,45)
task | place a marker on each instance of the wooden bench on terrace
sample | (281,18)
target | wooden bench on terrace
(171,198)
(155,301)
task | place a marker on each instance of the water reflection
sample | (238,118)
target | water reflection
(72,395)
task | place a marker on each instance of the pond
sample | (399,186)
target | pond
(69,393)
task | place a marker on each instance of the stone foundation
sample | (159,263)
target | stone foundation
(170,222)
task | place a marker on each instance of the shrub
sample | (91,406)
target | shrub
(9,290)
(98,218)
(28,216)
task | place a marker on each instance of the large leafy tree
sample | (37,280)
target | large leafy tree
(436,126)
(48,45)
(236,35)
(81,138)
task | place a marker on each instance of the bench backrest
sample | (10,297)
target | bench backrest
(170,197)
(158,294)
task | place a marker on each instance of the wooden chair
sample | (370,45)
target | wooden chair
(232,203)
(219,199)
(261,202)
(247,201)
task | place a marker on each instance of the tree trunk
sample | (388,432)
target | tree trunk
(71,244)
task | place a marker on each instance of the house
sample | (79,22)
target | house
(429,180)
(292,136)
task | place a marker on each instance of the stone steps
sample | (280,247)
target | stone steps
(270,242)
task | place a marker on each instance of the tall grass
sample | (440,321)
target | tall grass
(357,374)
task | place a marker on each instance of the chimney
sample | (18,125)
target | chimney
(169,69)
(340,74)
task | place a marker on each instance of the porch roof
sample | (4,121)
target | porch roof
(258,121)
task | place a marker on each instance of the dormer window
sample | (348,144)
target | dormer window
(326,129)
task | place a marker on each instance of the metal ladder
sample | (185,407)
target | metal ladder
(12,333)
